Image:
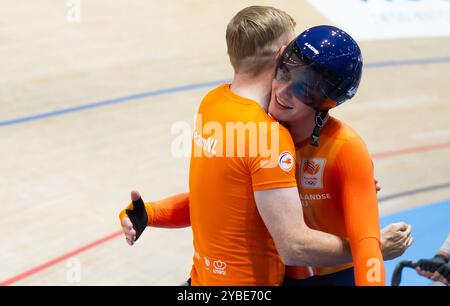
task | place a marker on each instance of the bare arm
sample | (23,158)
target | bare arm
(297,244)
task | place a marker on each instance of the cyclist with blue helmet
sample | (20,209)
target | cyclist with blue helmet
(318,71)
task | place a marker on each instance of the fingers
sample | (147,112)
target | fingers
(407,234)
(377,185)
(401,226)
(409,242)
(408,229)
(439,278)
(132,235)
(424,273)
(406,245)
(393,227)
(435,276)
(138,203)
(397,232)
(419,271)
(443,274)
(135,195)
(129,231)
(131,238)
(126,224)
(401,249)
(403,231)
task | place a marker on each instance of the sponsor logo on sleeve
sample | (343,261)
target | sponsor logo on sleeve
(286,161)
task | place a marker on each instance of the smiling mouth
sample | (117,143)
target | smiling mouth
(282,104)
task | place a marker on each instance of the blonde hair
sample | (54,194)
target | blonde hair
(253,37)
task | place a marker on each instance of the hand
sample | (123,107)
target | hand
(442,274)
(396,238)
(134,219)
(129,231)
(429,267)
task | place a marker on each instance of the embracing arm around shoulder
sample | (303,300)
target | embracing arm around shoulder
(297,244)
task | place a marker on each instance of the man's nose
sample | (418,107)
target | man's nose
(284,90)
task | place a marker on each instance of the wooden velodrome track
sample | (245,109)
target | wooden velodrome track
(68,165)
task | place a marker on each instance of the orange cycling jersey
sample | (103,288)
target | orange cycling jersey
(338,194)
(337,189)
(237,149)
(229,162)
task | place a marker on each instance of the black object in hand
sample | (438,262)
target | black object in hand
(138,217)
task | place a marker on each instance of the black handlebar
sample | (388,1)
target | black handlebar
(397,275)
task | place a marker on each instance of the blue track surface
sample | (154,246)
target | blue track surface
(431,225)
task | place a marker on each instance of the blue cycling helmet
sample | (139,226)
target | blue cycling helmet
(324,66)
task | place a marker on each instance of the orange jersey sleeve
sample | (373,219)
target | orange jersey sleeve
(277,170)
(171,212)
(368,262)
(354,171)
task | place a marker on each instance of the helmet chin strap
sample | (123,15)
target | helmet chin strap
(320,120)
